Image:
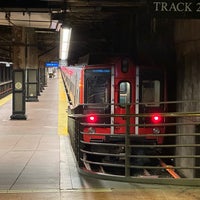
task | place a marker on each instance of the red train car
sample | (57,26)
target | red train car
(101,92)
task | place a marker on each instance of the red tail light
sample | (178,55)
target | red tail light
(156,118)
(91,118)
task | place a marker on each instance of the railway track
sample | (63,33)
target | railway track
(163,170)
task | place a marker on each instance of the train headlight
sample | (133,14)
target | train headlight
(156,130)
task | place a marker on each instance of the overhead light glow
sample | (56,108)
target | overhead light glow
(6,63)
(65,35)
(53,24)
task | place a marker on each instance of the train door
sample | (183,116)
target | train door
(124,94)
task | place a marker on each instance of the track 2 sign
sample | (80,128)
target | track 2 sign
(176,9)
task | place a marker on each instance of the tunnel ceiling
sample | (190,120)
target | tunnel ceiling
(94,23)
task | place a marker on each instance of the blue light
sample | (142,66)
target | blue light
(101,70)
(51,64)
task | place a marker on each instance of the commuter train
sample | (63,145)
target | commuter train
(105,94)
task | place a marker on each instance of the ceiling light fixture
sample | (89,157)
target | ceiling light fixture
(6,63)
(65,35)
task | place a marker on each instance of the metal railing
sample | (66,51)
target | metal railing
(5,88)
(175,161)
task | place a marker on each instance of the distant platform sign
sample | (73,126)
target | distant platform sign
(176,8)
(51,64)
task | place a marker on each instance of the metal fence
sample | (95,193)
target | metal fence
(175,161)
(5,88)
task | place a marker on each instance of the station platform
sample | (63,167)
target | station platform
(36,160)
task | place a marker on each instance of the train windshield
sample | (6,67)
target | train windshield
(97,86)
(151,92)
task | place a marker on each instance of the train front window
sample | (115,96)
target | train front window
(98,87)
(151,92)
(124,94)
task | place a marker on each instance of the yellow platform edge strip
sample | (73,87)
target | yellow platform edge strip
(62,107)
(5,99)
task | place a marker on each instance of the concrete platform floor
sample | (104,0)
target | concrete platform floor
(36,161)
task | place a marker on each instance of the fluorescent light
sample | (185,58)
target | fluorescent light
(6,63)
(65,34)
(58,27)
(53,24)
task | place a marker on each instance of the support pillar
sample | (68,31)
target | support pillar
(18,95)
(32,80)
(43,72)
(18,76)
(41,78)
(32,85)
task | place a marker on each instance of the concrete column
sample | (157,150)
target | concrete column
(19,47)
(42,75)
(19,52)
(188,84)
(32,80)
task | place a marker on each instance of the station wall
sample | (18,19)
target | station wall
(187,45)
